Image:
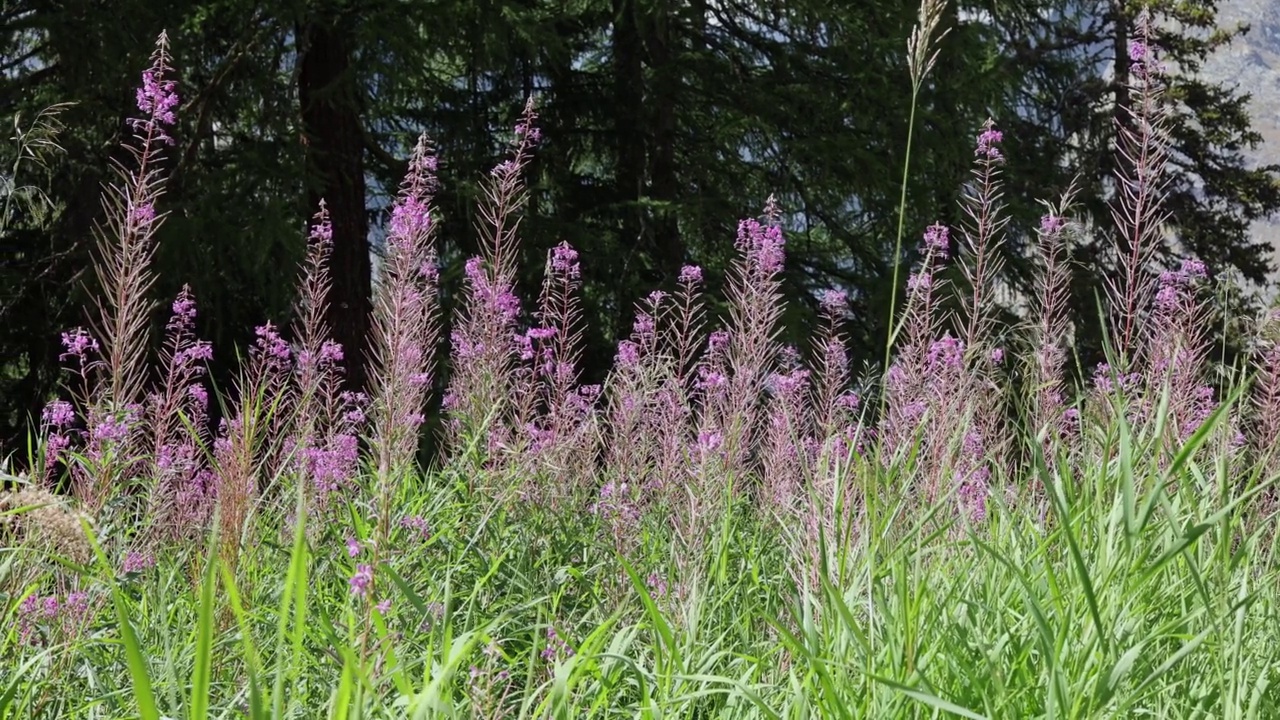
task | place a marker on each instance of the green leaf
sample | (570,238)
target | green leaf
(932,701)
(137,662)
(202,674)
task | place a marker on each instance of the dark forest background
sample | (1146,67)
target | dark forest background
(664,122)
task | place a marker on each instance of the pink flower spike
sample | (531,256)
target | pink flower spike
(59,414)
(937,239)
(136,562)
(361,580)
(987,142)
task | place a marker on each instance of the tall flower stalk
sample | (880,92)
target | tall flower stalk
(981,236)
(114,380)
(1047,351)
(755,309)
(250,448)
(1143,145)
(326,419)
(905,394)
(981,261)
(405,328)
(1264,415)
(484,345)
(178,415)
(126,249)
(1178,350)
(922,55)
(553,412)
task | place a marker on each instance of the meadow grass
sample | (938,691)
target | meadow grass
(1124,600)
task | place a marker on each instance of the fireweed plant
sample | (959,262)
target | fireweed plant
(727,527)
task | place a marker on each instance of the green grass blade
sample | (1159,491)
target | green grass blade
(143,693)
(202,673)
(659,622)
(932,701)
(11,691)
(253,669)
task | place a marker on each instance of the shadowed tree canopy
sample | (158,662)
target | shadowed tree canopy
(664,122)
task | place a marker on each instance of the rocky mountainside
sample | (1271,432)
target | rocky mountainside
(1252,64)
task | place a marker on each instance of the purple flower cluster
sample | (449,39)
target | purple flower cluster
(141,215)
(1201,405)
(657,585)
(525,341)
(763,247)
(937,240)
(556,648)
(58,414)
(45,611)
(712,381)
(271,347)
(496,304)
(136,562)
(157,97)
(946,354)
(58,417)
(564,259)
(1051,224)
(709,443)
(78,344)
(1123,382)
(628,355)
(331,465)
(528,131)
(198,352)
(834,302)
(718,341)
(1142,59)
(418,525)
(616,504)
(361,580)
(919,282)
(988,141)
(1176,285)
(409,217)
(109,432)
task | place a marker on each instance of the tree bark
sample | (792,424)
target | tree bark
(667,244)
(328,95)
(629,143)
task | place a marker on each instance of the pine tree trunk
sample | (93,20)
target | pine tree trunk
(328,95)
